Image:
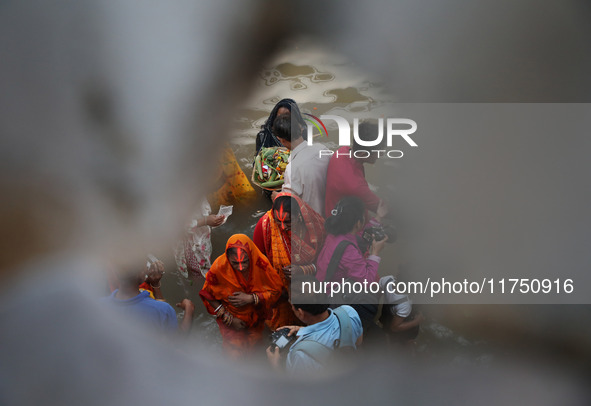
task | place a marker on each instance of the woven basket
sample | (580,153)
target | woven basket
(254,179)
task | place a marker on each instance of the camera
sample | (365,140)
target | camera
(379,233)
(280,339)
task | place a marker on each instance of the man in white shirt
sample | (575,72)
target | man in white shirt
(305,174)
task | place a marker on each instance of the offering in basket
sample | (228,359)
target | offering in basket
(269,167)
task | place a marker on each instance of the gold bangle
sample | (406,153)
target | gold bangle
(228,319)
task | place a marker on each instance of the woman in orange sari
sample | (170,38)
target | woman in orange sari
(291,235)
(240,290)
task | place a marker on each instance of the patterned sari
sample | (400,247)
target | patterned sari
(222,281)
(287,247)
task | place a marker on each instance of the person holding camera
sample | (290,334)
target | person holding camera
(343,228)
(344,255)
(326,332)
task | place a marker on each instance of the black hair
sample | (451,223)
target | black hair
(282,127)
(288,203)
(308,301)
(132,278)
(289,104)
(367,131)
(348,211)
(265,137)
(314,309)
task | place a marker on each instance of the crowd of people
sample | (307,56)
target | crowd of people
(325,224)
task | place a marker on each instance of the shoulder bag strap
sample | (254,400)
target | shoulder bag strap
(313,349)
(346,338)
(333,265)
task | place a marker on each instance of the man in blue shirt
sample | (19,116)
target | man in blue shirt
(137,304)
(324,332)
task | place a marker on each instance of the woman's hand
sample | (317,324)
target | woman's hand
(377,246)
(290,270)
(155,273)
(238,324)
(213,221)
(382,211)
(239,299)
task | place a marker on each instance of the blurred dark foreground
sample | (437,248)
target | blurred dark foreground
(109,117)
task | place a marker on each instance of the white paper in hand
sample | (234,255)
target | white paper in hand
(225,211)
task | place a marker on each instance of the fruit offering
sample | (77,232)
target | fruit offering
(269,167)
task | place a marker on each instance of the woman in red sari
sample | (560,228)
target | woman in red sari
(291,235)
(240,290)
